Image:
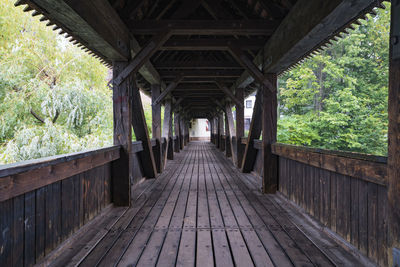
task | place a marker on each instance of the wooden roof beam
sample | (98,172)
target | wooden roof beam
(202,73)
(96,25)
(94,22)
(212,44)
(197,65)
(204,27)
(307,25)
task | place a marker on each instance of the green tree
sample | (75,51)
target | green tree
(338,99)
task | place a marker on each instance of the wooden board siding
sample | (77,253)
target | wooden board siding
(353,208)
(352,202)
(34,223)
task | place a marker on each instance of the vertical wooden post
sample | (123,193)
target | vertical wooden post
(217,132)
(156,125)
(250,153)
(239,127)
(183,132)
(170,152)
(221,131)
(122,168)
(230,128)
(166,133)
(212,123)
(187,132)
(394,138)
(228,152)
(141,133)
(269,130)
(176,132)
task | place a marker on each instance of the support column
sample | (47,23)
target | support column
(170,152)
(239,127)
(181,131)
(217,132)
(394,138)
(269,130)
(167,128)
(228,152)
(156,125)
(141,132)
(176,132)
(221,131)
(230,128)
(212,130)
(122,168)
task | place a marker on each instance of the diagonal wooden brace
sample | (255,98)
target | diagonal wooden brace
(143,55)
(249,65)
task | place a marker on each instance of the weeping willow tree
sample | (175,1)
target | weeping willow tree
(53,97)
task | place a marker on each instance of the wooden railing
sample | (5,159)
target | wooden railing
(42,202)
(344,191)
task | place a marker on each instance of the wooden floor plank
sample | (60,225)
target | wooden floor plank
(202,211)
(187,247)
(169,251)
(138,233)
(291,248)
(114,234)
(153,248)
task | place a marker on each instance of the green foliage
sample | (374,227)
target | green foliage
(338,99)
(42,73)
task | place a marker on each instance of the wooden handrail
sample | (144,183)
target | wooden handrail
(362,166)
(137,146)
(23,177)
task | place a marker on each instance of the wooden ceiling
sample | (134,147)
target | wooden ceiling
(198,48)
(201,50)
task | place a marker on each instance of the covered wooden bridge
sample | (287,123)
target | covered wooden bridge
(237,201)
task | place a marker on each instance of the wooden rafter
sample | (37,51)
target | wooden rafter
(212,44)
(204,27)
(201,64)
(304,23)
(186,9)
(201,73)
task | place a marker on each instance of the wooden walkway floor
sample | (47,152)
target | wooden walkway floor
(202,211)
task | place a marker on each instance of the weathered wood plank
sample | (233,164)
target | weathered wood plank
(122,108)
(141,130)
(269,132)
(95,24)
(167,127)
(23,182)
(250,152)
(307,25)
(362,169)
(203,27)
(393,133)
(156,125)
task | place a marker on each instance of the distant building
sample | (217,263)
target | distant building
(200,130)
(248,110)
